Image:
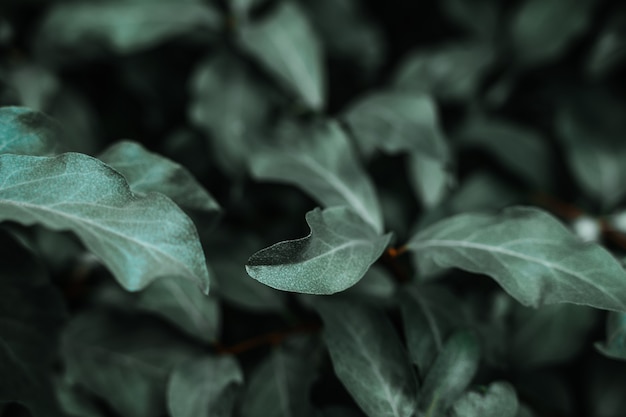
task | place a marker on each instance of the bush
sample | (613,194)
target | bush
(460,167)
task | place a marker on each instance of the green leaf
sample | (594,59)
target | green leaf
(231,106)
(31,316)
(123,26)
(183,304)
(75,402)
(285,44)
(450,374)
(325,166)
(449,72)
(333,257)
(563,330)
(521,150)
(280,385)
(376,284)
(542,29)
(368,358)
(138,238)
(530,254)
(430,178)
(148,172)
(609,49)
(397,122)
(429,315)
(204,387)
(477,16)
(123,360)
(615,344)
(498,400)
(27,132)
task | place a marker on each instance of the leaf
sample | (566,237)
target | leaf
(323,165)
(31,316)
(123,26)
(123,360)
(498,400)
(74,402)
(430,178)
(27,132)
(541,30)
(230,105)
(148,172)
(521,150)
(477,16)
(138,238)
(280,385)
(376,284)
(368,358)
(450,374)
(615,344)
(448,72)
(530,254)
(203,387)
(397,122)
(563,330)
(429,315)
(285,44)
(609,48)
(333,257)
(183,304)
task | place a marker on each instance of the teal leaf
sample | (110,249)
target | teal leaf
(324,165)
(369,358)
(497,400)
(563,330)
(449,72)
(123,360)
(31,316)
(148,172)
(541,30)
(123,26)
(138,238)
(376,284)
(286,45)
(478,16)
(231,106)
(520,149)
(431,179)
(204,387)
(397,122)
(280,385)
(450,374)
(74,401)
(333,257)
(530,254)
(615,344)
(429,315)
(182,303)
(609,49)
(27,132)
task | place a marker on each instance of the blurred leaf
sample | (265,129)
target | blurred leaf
(450,374)
(397,122)
(123,360)
(231,106)
(31,316)
(74,402)
(368,358)
(122,26)
(333,257)
(78,118)
(542,29)
(28,132)
(448,72)
(35,85)
(280,385)
(285,44)
(519,149)
(429,315)
(609,49)
(377,283)
(81,194)
(530,254)
(348,33)
(182,303)
(562,329)
(203,387)
(482,191)
(148,172)
(244,7)
(325,166)
(430,178)
(478,16)
(615,344)
(604,388)
(498,400)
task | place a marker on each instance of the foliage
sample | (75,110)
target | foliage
(312,208)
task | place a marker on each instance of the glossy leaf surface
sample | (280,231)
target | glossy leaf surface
(334,257)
